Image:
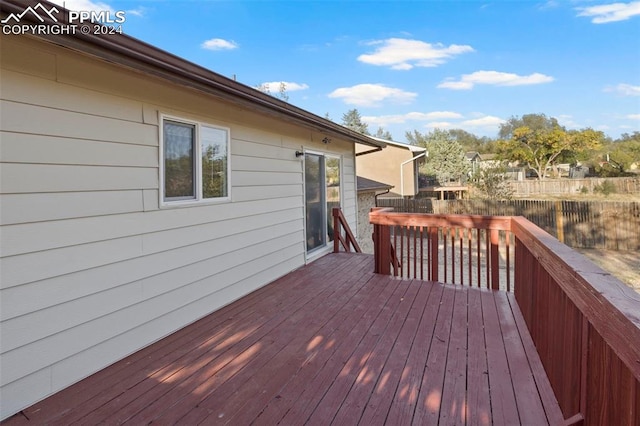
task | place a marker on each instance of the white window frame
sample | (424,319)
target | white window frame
(198,199)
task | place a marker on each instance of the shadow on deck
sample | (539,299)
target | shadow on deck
(329,342)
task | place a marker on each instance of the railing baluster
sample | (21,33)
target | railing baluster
(461,230)
(469,235)
(478,257)
(444,251)
(415,252)
(433,231)
(487,258)
(403,261)
(452,232)
(395,252)
(421,253)
(507,238)
(495,259)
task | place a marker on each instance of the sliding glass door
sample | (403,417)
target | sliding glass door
(322,193)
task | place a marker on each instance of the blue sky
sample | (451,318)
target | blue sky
(415,65)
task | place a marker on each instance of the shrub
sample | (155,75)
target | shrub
(605,188)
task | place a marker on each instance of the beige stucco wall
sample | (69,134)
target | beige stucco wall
(91,268)
(384,166)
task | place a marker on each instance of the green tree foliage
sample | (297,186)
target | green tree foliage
(353,121)
(492,183)
(471,142)
(617,157)
(383,134)
(282,91)
(541,146)
(535,122)
(445,160)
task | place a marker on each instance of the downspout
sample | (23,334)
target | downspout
(375,197)
(402,171)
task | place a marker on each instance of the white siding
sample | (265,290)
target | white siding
(91,269)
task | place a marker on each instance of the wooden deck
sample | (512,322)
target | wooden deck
(329,343)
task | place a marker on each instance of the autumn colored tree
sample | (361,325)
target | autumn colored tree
(539,148)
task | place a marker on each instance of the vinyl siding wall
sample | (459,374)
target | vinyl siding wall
(91,268)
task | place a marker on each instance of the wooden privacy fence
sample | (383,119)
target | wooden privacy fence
(578,224)
(584,322)
(529,188)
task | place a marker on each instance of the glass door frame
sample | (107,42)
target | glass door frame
(316,252)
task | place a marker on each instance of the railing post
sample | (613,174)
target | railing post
(382,249)
(336,229)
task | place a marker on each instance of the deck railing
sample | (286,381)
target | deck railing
(584,322)
(342,235)
(462,249)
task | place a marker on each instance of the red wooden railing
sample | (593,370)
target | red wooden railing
(461,249)
(584,322)
(342,234)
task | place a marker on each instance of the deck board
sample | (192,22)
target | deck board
(328,343)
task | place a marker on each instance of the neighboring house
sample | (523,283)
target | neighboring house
(396,165)
(368,190)
(114,234)
(474,158)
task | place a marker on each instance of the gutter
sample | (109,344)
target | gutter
(371,151)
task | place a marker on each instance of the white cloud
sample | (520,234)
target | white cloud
(385,120)
(440,125)
(633,116)
(372,95)
(289,86)
(404,54)
(495,78)
(139,11)
(219,44)
(613,12)
(483,122)
(624,89)
(568,121)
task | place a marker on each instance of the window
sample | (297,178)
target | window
(195,162)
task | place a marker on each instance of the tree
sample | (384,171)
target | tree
(383,134)
(492,183)
(619,155)
(535,122)
(353,121)
(282,90)
(471,142)
(445,159)
(539,147)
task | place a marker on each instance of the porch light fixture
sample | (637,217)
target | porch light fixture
(299,154)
